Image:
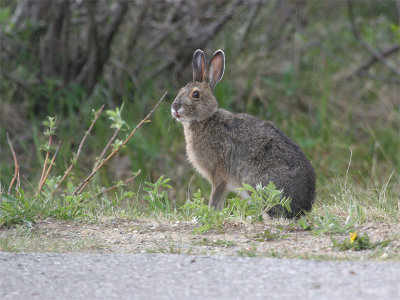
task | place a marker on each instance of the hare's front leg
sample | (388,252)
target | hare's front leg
(218,192)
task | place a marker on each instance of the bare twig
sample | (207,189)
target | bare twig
(45,161)
(157,40)
(80,147)
(388,79)
(88,131)
(49,169)
(99,159)
(361,69)
(212,29)
(368,47)
(83,184)
(117,185)
(106,147)
(16,172)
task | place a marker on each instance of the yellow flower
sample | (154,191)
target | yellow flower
(353,236)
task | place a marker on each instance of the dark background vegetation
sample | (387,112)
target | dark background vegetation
(326,72)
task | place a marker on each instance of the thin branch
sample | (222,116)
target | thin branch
(88,131)
(371,50)
(50,167)
(388,79)
(45,161)
(83,184)
(99,159)
(16,172)
(364,67)
(80,147)
(211,30)
(106,147)
(117,185)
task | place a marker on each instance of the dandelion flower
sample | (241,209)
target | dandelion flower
(353,236)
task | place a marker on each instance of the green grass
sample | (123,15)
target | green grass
(342,213)
(27,209)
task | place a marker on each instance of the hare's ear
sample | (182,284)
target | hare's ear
(199,65)
(216,68)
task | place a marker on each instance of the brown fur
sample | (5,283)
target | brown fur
(231,149)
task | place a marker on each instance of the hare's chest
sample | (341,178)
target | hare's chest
(200,154)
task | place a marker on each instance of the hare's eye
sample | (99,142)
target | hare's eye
(196,94)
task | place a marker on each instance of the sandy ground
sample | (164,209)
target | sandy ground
(270,238)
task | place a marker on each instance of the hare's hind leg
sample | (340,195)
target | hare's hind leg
(218,193)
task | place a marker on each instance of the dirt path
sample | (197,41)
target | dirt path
(270,238)
(158,276)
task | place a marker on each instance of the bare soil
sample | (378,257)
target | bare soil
(271,238)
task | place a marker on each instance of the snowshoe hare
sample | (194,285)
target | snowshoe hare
(230,149)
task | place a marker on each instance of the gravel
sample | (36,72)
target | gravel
(146,276)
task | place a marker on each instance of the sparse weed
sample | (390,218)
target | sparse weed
(167,246)
(262,199)
(18,209)
(330,223)
(216,243)
(158,200)
(327,222)
(304,224)
(357,242)
(27,209)
(6,245)
(207,216)
(268,235)
(248,252)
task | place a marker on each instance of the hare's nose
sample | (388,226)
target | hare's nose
(176,106)
(176,111)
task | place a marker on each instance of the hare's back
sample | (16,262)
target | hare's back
(255,133)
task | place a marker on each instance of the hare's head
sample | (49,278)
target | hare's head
(195,101)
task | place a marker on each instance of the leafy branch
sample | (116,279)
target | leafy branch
(75,158)
(119,147)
